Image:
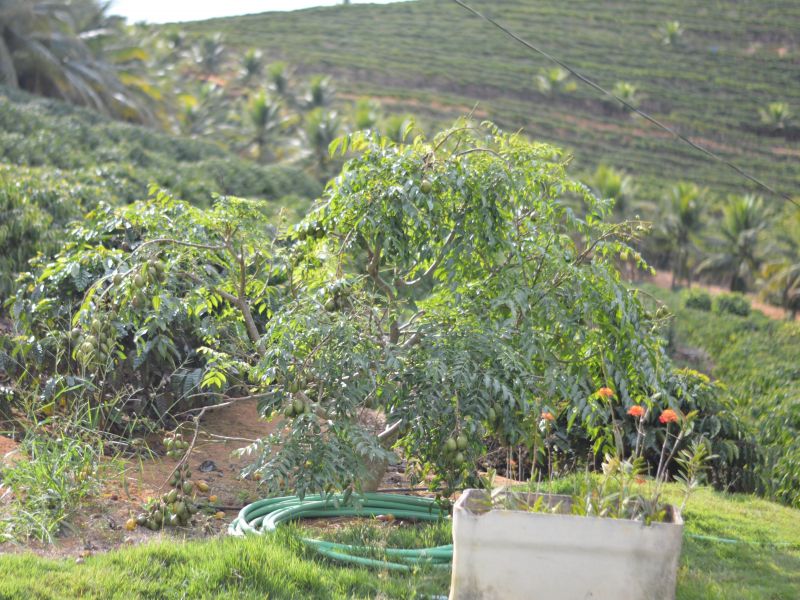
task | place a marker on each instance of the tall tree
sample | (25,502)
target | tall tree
(264,115)
(320,92)
(680,224)
(612,184)
(739,249)
(45,48)
(782,275)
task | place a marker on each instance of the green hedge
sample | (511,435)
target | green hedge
(733,304)
(698,300)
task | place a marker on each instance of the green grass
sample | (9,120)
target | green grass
(758,571)
(432,58)
(279,567)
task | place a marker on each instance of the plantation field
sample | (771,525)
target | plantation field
(58,161)
(435,60)
(765,566)
(758,361)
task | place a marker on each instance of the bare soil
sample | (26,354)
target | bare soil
(100,526)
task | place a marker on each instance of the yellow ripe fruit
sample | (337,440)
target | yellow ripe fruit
(219,515)
(130,524)
(201,485)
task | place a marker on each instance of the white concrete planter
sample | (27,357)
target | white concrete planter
(520,555)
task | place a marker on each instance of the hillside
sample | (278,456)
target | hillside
(432,58)
(58,161)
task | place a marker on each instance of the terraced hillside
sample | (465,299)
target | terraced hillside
(432,58)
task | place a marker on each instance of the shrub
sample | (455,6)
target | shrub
(157,296)
(444,287)
(698,300)
(756,361)
(733,304)
(63,161)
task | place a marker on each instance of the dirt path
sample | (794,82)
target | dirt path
(663,279)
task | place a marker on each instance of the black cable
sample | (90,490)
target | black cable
(627,105)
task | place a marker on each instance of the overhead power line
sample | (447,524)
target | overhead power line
(629,106)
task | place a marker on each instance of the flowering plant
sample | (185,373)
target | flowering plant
(625,489)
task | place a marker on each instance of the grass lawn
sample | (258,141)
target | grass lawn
(279,567)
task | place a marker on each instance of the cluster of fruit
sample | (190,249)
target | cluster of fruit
(454,449)
(175,444)
(492,415)
(96,343)
(337,295)
(310,230)
(154,271)
(296,407)
(175,508)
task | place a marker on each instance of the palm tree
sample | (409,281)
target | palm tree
(670,33)
(776,115)
(366,113)
(46,48)
(615,185)
(209,54)
(398,128)
(279,78)
(320,92)
(628,92)
(555,80)
(321,128)
(739,253)
(783,281)
(680,225)
(201,115)
(782,276)
(263,112)
(252,64)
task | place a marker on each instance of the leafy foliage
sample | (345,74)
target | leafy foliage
(440,283)
(738,251)
(45,48)
(755,359)
(60,162)
(158,296)
(748,53)
(733,304)
(698,300)
(776,115)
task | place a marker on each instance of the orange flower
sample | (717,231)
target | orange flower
(640,480)
(668,416)
(548,416)
(605,392)
(636,411)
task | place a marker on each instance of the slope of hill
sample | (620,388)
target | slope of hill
(58,161)
(432,58)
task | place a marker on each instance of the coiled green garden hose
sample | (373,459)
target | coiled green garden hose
(265,516)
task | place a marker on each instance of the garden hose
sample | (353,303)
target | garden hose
(266,515)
